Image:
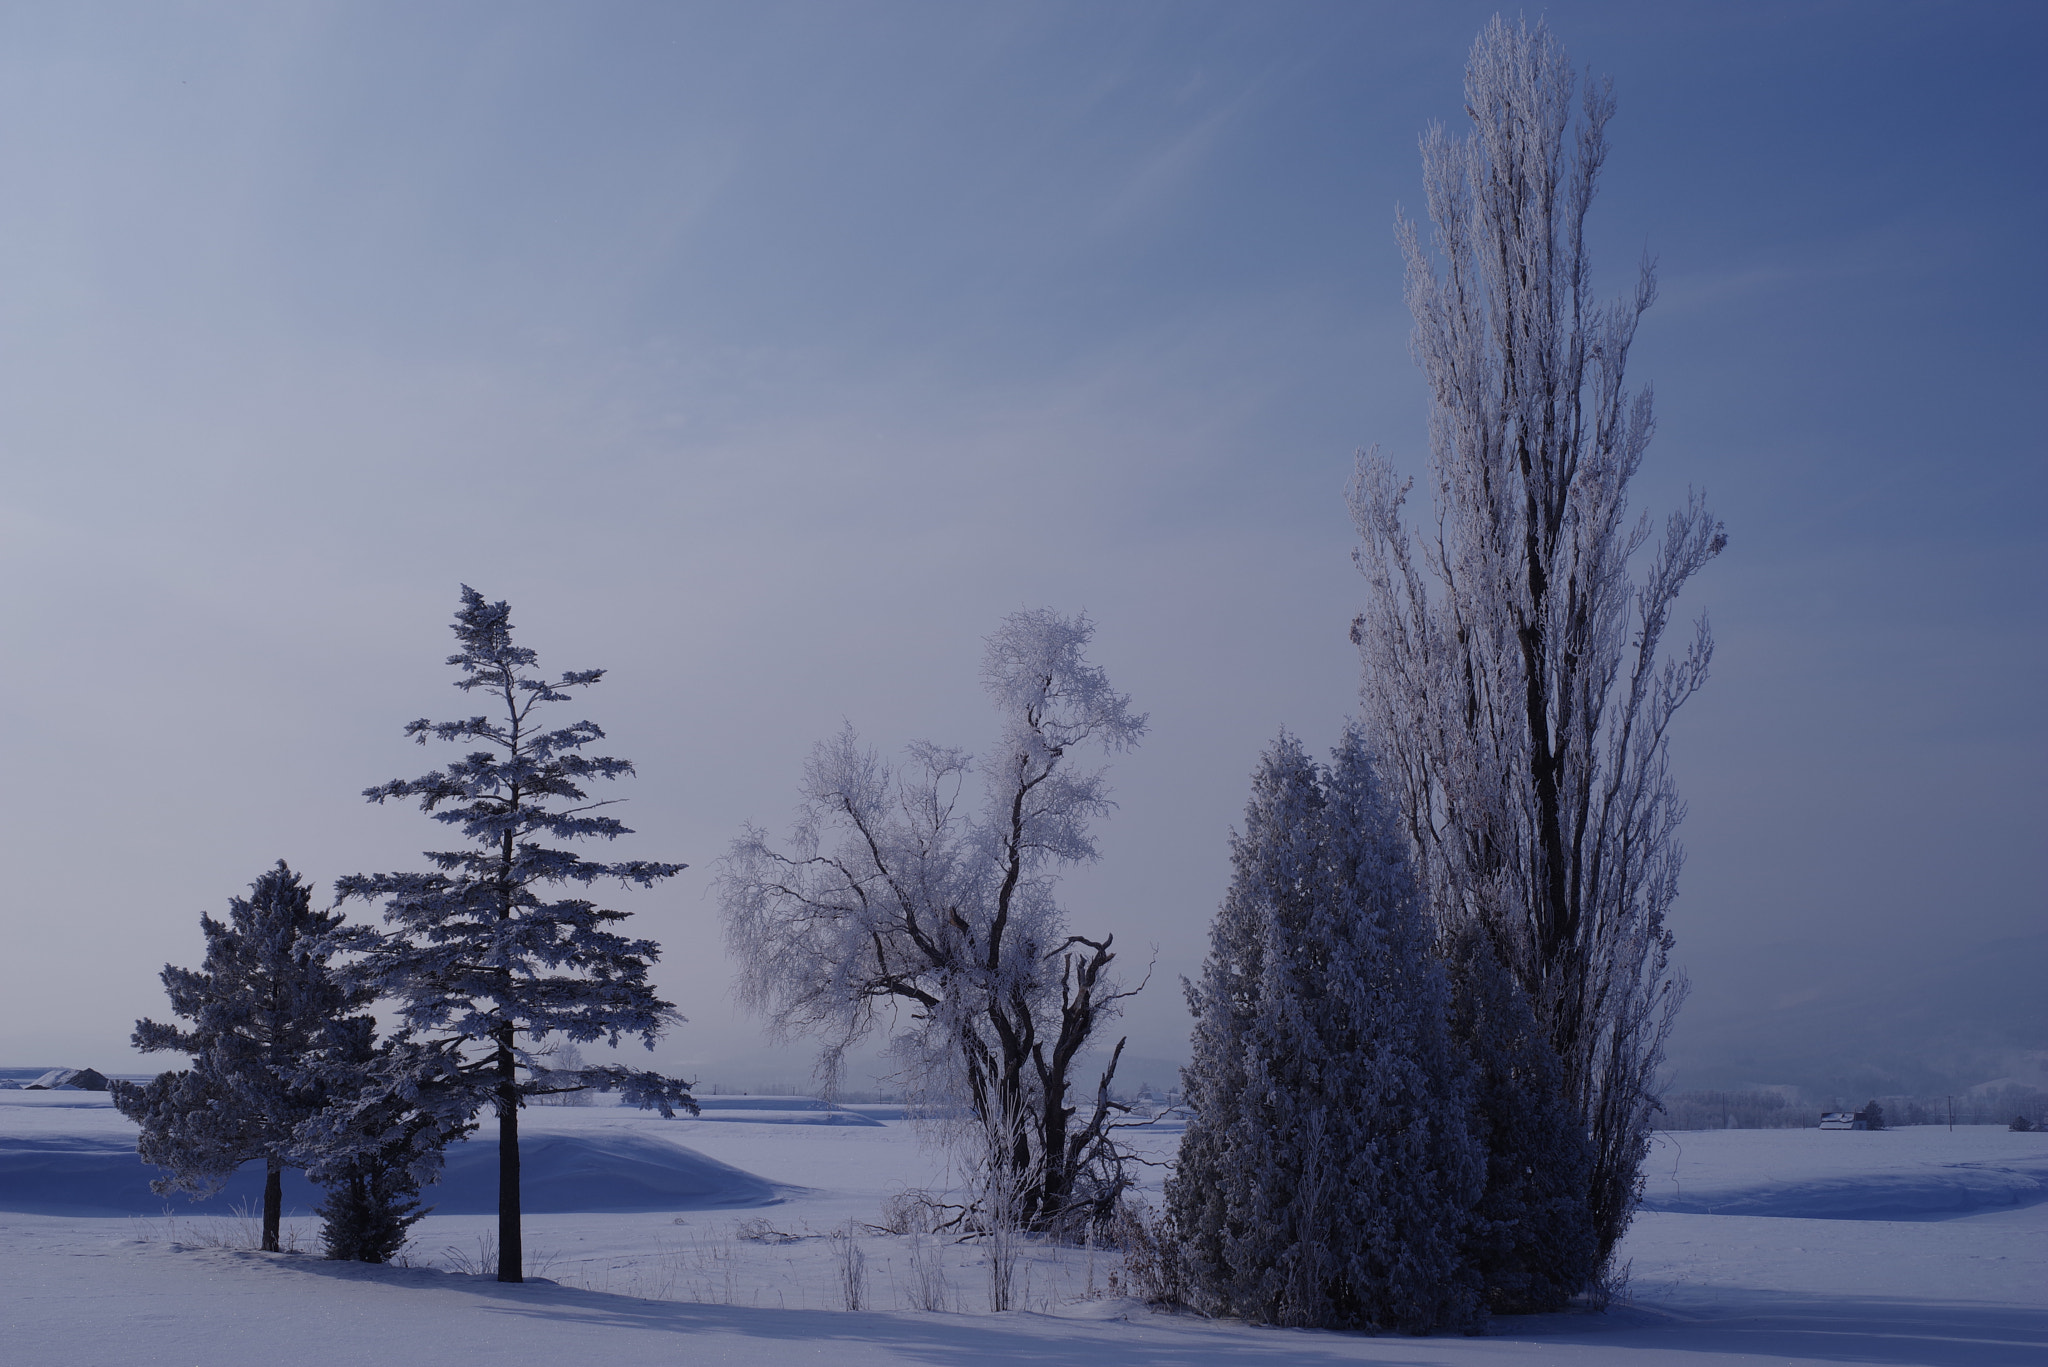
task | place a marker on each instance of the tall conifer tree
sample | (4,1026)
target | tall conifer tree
(1327,1175)
(477,957)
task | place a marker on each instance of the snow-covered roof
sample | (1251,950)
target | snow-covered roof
(70,1079)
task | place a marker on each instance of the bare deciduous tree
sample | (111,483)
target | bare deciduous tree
(889,896)
(1513,680)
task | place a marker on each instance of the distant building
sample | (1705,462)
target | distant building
(1871,1117)
(68,1080)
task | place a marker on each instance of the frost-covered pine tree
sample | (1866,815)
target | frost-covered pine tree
(264,1006)
(480,953)
(1514,685)
(1328,1168)
(1532,1240)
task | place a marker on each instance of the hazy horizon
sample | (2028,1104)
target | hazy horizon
(766,356)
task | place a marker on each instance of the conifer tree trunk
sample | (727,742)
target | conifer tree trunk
(273,1202)
(511,1256)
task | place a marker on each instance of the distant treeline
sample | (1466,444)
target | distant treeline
(1774,1110)
(1735,1111)
(1990,1106)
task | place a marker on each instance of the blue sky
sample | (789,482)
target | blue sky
(767,354)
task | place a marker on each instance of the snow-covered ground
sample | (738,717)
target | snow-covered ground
(713,1241)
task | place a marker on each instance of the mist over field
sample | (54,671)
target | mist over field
(1844,1024)
(767,356)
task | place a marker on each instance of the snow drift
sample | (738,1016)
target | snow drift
(88,1174)
(1935,1194)
(1921,1173)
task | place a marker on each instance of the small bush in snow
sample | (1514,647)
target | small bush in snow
(369,1212)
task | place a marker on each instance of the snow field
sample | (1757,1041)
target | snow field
(1922,1172)
(716,1283)
(790,1251)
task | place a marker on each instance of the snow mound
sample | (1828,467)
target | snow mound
(59,1174)
(1938,1194)
(1918,1174)
(605,1170)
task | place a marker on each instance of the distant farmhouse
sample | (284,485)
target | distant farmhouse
(1871,1117)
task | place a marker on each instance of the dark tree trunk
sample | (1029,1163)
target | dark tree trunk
(1061,1149)
(273,1203)
(511,1256)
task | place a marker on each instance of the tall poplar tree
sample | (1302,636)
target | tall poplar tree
(480,953)
(1515,682)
